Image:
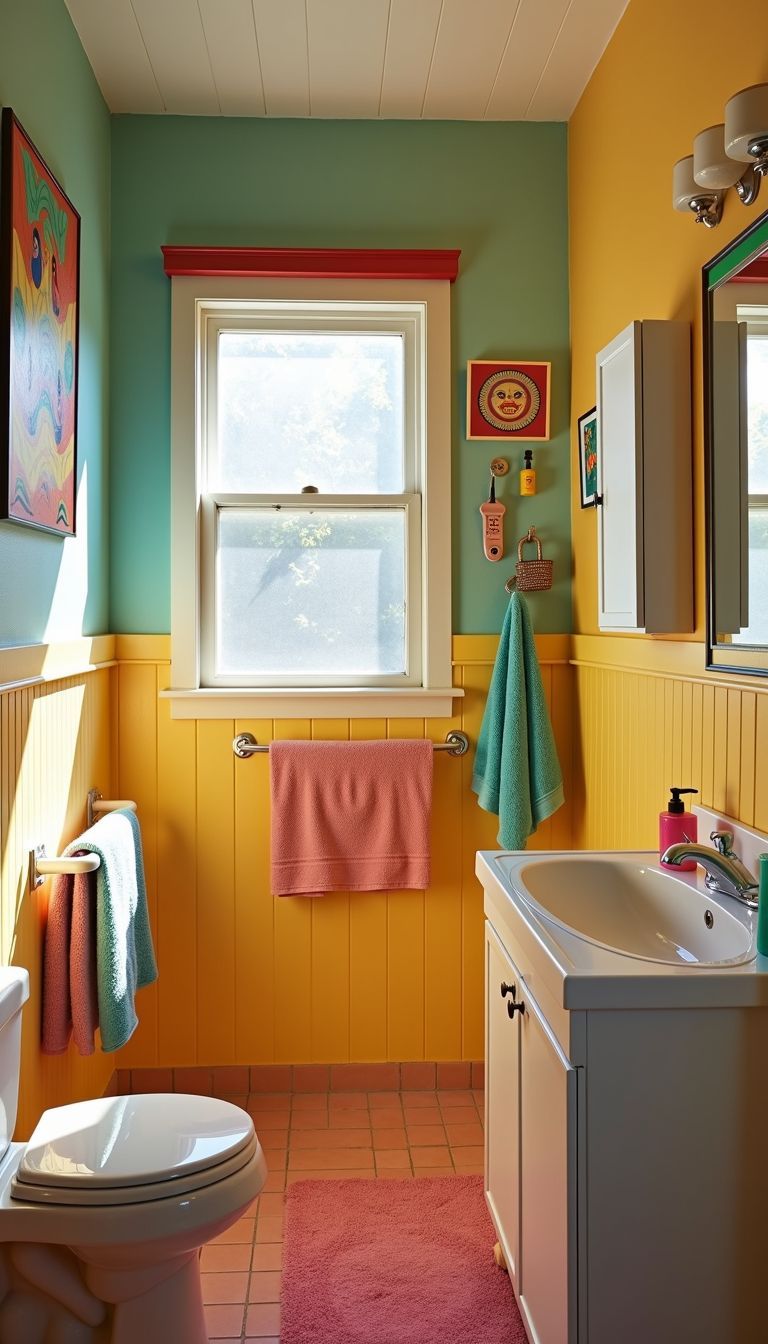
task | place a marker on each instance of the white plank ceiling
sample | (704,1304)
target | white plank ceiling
(467,60)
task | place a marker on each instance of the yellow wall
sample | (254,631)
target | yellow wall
(245,978)
(55,744)
(666,74)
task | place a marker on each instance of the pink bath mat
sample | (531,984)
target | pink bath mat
(393,1262)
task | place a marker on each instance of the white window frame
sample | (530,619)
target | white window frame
(200,308)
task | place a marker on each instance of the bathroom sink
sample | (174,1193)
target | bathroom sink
(632,908)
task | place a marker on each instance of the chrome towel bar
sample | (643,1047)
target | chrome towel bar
(245,745)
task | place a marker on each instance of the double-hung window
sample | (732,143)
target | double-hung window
(311,487)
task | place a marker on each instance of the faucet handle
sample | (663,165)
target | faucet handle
(723,842)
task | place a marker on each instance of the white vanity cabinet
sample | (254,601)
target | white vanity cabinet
(626,1106)
(530,1149)
(645,517)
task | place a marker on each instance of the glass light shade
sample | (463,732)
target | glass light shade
(746,120)
(712,168)
(684,184)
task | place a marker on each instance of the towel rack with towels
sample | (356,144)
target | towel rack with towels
(245,745)
(42,866)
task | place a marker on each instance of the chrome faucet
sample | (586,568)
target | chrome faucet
(726,873)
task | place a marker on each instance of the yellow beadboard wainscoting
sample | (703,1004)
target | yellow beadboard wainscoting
(245,978)
(648,716)
(55,744)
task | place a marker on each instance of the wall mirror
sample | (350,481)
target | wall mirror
(736,452)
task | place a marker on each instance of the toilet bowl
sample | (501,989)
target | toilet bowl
(103,1212)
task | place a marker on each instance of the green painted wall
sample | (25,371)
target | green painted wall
(497,191)
(50,588)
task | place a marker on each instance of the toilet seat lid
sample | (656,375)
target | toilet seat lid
(113,1142)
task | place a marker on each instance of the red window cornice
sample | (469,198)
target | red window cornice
(346,263)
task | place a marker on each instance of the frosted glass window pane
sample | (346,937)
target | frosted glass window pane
(311,593)
(313,408)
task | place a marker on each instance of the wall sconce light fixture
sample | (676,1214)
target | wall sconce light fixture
(699,182)
(687,195)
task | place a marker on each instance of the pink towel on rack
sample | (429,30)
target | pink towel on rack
(350,816)
(70,1004)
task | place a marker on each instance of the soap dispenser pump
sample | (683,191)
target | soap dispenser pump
(677,826)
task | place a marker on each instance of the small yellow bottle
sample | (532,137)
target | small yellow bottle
(528,475)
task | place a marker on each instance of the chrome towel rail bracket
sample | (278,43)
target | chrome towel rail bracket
(245,745)
(41,866)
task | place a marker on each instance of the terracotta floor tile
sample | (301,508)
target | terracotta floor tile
(479,1095)
(434,1172)
(471,1153)
(460,1115)
(271,1205)
(225,1322)
(431,1157)
(425,1115)
(269,1101)
(461,1135)
(222,1288)
(242,1230)
(330,1138)
(425,1136)
(388,1117)
(263,1319)
(339,1118)
(394,1175)
(330,1159)
(390,1138)
(377,1100)
(265,1287)
(315,1119)
(269,1229)
(416,1099)
(470,1169)
(276,1157)
(389,1159)
(269,1120)
(453,1099)
(310,1101)
(347,1101)
(265,1339)
(267,1256)
(363,1175)
(275,1182)
(224,1259)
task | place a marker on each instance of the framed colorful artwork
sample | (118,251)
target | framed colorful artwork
(588,458)
(39,319)
(508,399)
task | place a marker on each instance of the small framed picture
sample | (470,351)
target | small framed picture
(508,399)
(39,317)
(588,458)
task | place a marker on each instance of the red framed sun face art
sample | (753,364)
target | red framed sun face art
(508,400)
(39,318)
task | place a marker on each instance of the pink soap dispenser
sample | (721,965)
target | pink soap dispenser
(676,826)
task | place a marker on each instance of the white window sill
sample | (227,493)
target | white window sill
(300,702)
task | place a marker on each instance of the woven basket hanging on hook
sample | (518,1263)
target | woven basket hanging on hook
(532,576)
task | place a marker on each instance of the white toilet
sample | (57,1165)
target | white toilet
(103,1212)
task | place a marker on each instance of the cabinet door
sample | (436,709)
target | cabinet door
(502,1100)
(620,471)
(548,1175)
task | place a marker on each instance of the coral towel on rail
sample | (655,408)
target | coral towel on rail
(350,816)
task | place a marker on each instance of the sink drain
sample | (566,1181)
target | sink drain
(709,918)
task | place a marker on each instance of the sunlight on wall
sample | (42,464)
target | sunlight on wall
(71,591)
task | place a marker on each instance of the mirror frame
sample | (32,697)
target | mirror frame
(741,249)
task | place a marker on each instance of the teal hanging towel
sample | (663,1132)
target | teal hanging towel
(517,773)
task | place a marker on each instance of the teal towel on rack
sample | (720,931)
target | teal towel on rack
(125,956)
(517,773)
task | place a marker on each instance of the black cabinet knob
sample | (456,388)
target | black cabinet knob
(513,1008)
(507,989)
